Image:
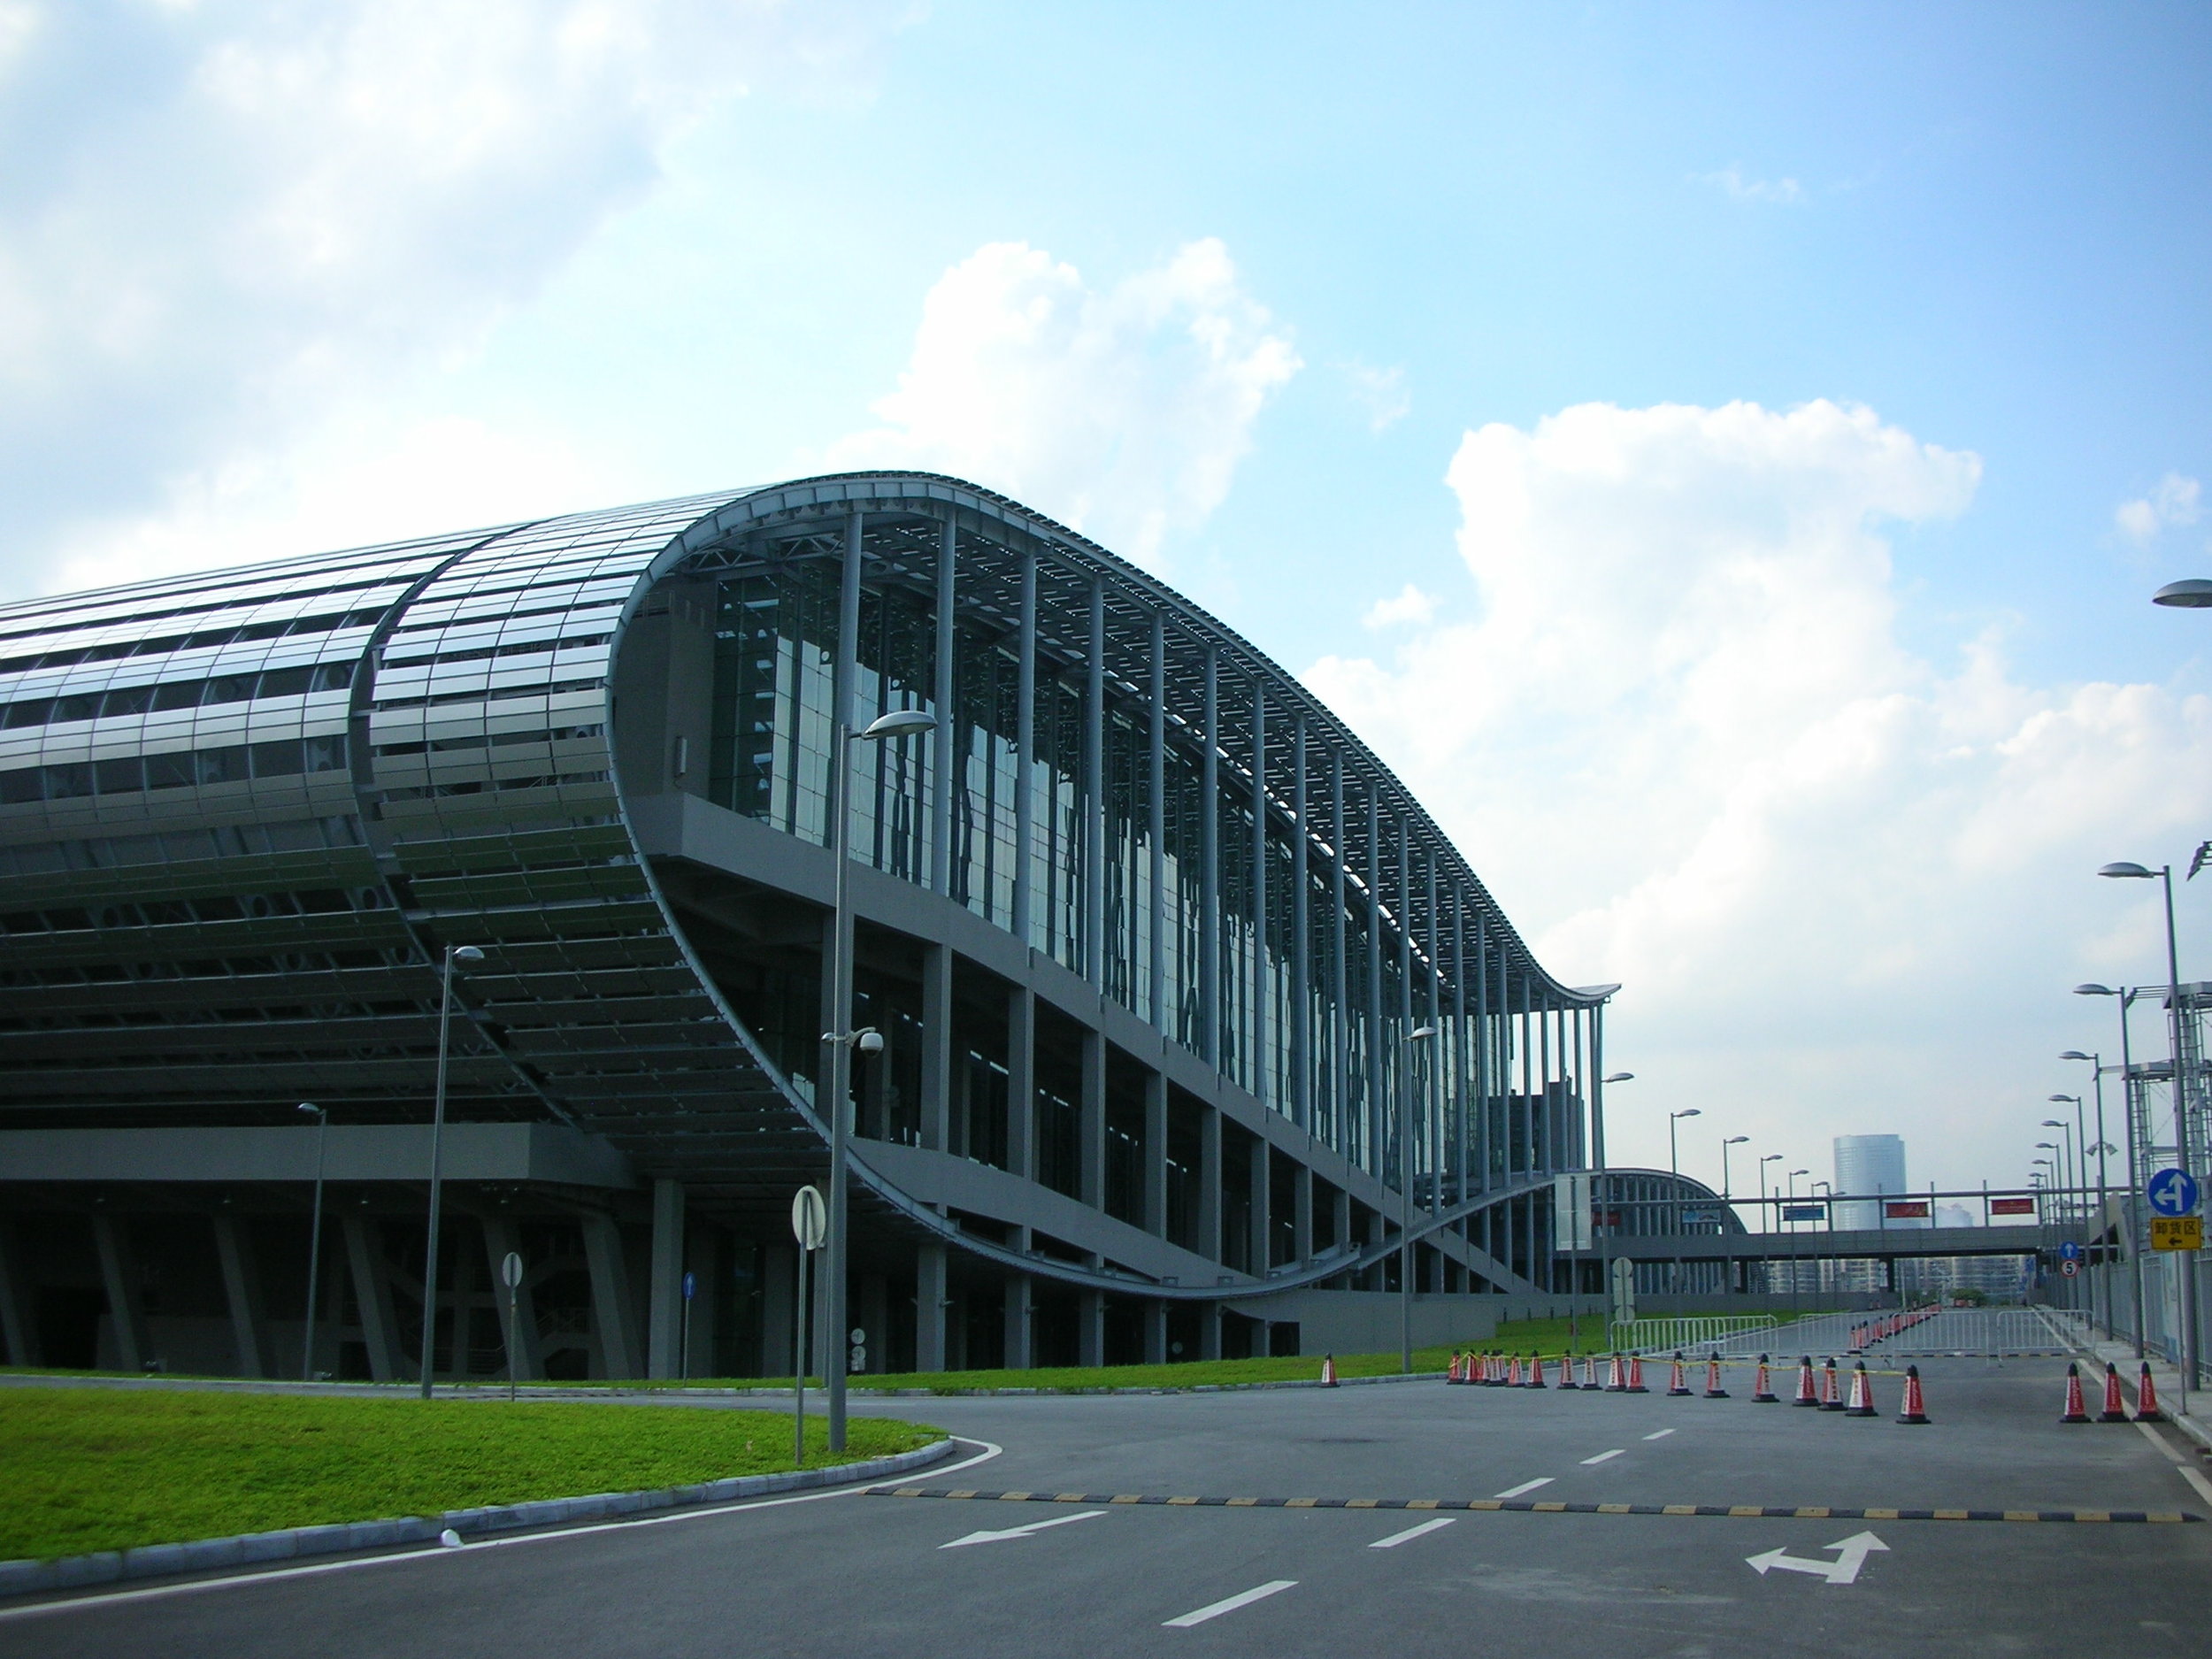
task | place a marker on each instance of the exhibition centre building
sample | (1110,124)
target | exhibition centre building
(1192,1019)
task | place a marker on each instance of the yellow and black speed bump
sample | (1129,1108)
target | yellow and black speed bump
(1524,1506)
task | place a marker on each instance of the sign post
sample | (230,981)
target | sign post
(683,1358)
(510,1276)
(2173,1196)
(810,1226)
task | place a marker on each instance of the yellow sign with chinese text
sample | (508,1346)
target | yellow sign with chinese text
(2177,1233)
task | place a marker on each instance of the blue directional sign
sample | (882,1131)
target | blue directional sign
(2069,1251)
(2172,1193)
(691,1285)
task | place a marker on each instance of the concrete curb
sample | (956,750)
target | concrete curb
(72,1573)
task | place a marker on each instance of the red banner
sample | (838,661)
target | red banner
(1905,1209)
(2012,1206)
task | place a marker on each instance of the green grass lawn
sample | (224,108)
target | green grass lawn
(90,1468)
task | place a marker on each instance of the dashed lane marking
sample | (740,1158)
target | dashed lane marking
(1512,1506)
(1605,1458)
(1230,1604)
(1660,1435)
(1412,1532)
(1525,1487)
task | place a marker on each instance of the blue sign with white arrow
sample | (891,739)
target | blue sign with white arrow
(2172,1193)
(2069,1251)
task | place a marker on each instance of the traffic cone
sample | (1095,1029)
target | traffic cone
(1806,1396)
(2146,1398)
(1762,1386)
(2115,1408)
(1590,1373)
(1513,1377)
(1636,1375)
(1567,1372)
(1328,1370)
(1535,1371)
(1915,1409)
(1617,1381)
(2075,1410)
(1676,1386)
(1862,1394)
(1831,1395)
(1713,1390)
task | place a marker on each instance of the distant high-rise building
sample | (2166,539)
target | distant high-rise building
(1865,1165)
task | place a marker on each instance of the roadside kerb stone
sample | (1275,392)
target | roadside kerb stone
(151,1561)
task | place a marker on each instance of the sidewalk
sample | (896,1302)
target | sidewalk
(2197,1425)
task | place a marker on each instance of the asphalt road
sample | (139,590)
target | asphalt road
(858,1574)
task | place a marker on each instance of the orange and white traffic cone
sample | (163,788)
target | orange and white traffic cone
(1567,1373)
(1617,1379)
(1328,1370)
(1830,1395)
(1916,1408)
(1636,1375)
(1862,1394)
(1676,1387)
(2146,1398)
(2116,1409)
(1713,1390)
(1535,1371)
(1806,1394)
(1513,1374)
(1762,1386)
(2076,1411)
(1590,1373)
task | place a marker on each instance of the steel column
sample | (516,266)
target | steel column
(1210,866)
(1026,751)
(241,1292)
(1094,791)
(944,778)
(1301,944)
(1261,1082)
(1155,763)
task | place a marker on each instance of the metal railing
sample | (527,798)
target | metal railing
(1664,1336)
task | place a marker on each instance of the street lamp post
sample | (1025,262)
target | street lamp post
(2184,1139)
(456,956)
(840,1042)
(2104,1201)
(2067,1170)
(314,1241)
(1416,1041)
(2134,1155)
(1674,1156)
(2193,593)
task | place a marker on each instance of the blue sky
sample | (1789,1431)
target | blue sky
(1759,427)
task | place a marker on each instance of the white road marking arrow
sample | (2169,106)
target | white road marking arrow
(1020,1531)
(1844,1570)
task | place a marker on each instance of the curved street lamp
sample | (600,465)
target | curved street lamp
(1674,1156)
(2134,1185)
(2192,593)
(1727,1141)
(456,957)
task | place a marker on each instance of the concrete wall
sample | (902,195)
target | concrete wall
(1364,1322)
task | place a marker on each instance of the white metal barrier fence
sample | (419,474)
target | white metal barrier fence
(1969,1333)
(1702,1332)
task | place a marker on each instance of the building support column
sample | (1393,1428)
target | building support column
(1018,1322)
(930,1302)
(1156,1153)
(1210,871)
(16,1327)
(1301,1213)
(1258,1177)
(1341,1218)
(1344,1130)
(1156,1334)
(1210,1330)
(666,1297)
(1210,1184)
(118,1277)
(518,1335)
(1091,1121)
(944,778)
(1156,765)
(1090,1335)
(1094,831)
(937,1048)
(1262,1080)
(1025,750)
(373,1294)
(700,1334)
(241,1291)
(610,1315)
(1021,1082)
(1301,940)
(778,1308)
(1597,1086)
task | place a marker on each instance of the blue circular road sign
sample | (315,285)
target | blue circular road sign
(2069,1251)
(691,1285)
(2172,1193)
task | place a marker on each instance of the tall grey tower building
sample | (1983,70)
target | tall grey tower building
(1867,1164)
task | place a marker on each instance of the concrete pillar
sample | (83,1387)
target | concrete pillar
(937,1047)
(1021,1082)
(1018,1321)
(1156,1153)
(1091,1120)
(1090,1335)
(1210,1330)
(778,1303)
(1208,1183)
(518,1336)
(930,1302)
(872,1313)
(613,1323)
(665,1293)
(1301,1212)
(1156,1334)
(118,1275)
(705,1253)
(16,1328)
(373,1294)
(1341,1207)
(1257,1173)
(242,1290)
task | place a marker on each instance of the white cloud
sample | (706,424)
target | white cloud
(2175,500)
(1845,886)
(1122,411)
(1731,180)
(226,225)
(1410,606)
(1381,393)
